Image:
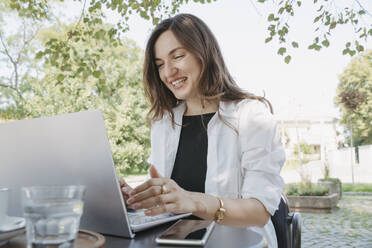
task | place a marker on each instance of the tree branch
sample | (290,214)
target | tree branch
(7,86)
(82,13)
(362,7)
(255,8)
(6,51)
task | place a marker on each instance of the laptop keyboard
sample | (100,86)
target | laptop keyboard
(139,217)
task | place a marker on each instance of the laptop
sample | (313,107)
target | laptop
(64,150)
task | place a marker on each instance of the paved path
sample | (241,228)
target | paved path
(348,226)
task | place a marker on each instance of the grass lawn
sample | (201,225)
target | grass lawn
(357,187)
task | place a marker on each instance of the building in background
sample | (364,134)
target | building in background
(314,135)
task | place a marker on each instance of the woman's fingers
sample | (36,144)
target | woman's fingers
(159,195)
(161,209)
(158,200)
(148,184)
(148,193)
(153,172)
(122,182)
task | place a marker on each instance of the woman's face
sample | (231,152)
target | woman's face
(178,68)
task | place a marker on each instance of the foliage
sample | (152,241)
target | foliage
(92,74)
(357,187)
(328,18)
(354,97)
(305,189)
(114,87)
(17,48)
(331,179)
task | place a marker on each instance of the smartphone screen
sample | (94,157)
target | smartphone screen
(187,232)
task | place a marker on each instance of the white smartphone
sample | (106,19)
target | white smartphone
(187,232)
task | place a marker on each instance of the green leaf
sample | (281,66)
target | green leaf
(287,59)
(271,17)
(97,74)
(360,48)
(299,3)
(60,77)
(325,43)
(282,50)
(333,25)
(317,18)
(295,44)
(268,39)
(261,1)
(39,55)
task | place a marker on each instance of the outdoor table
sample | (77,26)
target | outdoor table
(221,237)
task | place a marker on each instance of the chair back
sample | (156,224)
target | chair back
(282,224)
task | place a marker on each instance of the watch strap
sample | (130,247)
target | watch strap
(220,213)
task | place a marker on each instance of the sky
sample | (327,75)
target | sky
(306,87)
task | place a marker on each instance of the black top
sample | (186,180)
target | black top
(190,167)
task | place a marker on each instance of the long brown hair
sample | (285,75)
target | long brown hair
(198,39)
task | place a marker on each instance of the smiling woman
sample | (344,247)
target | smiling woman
(215,149)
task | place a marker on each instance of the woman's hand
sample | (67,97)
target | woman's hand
(124,188)
(161,195)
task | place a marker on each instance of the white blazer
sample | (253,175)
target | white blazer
(241,163)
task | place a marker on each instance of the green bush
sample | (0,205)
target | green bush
(100,75)
(358,187)
(330,179)
(305,189)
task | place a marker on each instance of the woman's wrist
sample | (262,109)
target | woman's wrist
(205,205)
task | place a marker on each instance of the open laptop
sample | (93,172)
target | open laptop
(69,149)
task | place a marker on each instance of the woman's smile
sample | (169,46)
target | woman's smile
(178,83)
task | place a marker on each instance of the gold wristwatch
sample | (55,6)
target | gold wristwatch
(220,213)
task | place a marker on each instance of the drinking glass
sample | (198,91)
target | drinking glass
(52,215)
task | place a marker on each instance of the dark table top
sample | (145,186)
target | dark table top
(221,237)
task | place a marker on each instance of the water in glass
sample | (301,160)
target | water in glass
(53,222)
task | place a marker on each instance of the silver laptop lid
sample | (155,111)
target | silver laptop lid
(62,150)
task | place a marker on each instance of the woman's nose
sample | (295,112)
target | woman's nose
(170,70)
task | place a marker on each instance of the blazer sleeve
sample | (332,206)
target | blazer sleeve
(262,155)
